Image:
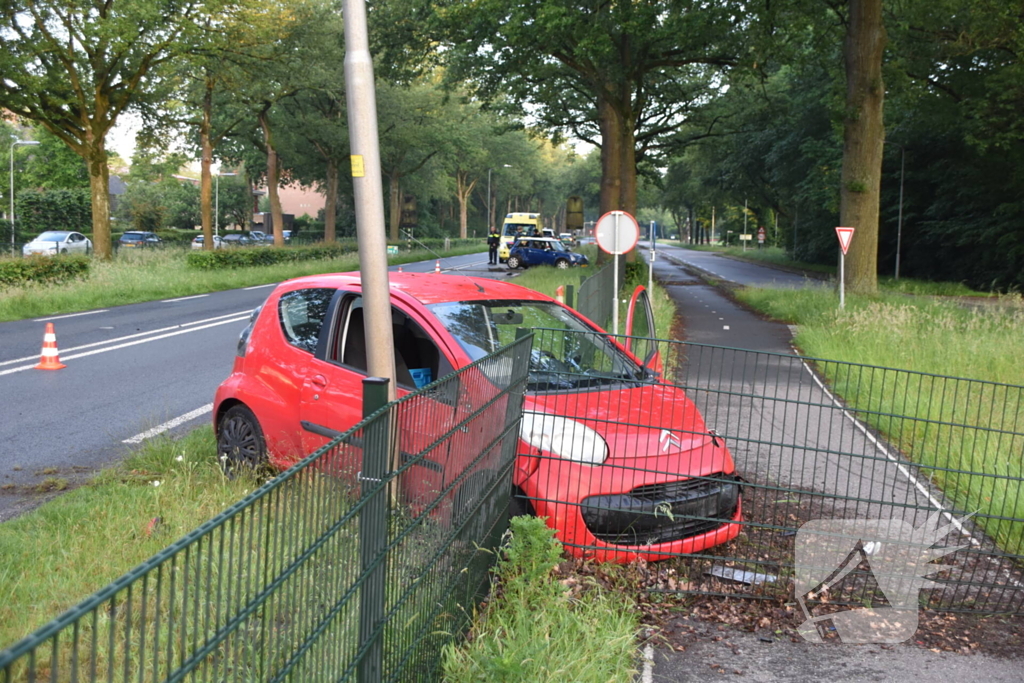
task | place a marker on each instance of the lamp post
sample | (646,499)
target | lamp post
(899,219)
(216,211)
(13,145)
(490,223)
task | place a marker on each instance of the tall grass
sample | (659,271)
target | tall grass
(152,274)
(951,427)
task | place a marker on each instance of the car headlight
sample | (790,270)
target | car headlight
(563,437)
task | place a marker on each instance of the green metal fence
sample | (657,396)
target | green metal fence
(358,563)
(811,440)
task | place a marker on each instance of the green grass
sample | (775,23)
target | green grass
(54,556)
(952,425)
(539,630)
(149,275)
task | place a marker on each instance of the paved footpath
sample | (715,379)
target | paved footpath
(712,318)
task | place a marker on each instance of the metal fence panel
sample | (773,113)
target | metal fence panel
(810,440)
(272,588)
(596,294)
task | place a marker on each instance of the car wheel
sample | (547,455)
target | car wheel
(562,264)
(465,498)
(519,505)
(240,443)
(513,262)
(63,251)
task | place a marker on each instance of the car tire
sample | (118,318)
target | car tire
(473,526)
(63,251)
(519,504)
(562,264)
(513,262)
(240,443)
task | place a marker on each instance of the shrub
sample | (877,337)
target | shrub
(40,210)
(42,269)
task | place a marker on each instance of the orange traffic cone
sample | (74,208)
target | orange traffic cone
(437,266)
(50,359)
(560,294)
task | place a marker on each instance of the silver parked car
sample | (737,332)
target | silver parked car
(58,242)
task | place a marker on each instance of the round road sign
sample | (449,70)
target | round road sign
(617,232)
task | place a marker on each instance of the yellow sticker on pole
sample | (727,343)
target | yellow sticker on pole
(357,166)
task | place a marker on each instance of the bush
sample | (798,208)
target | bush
(42,269)
(262,256)
(40,210)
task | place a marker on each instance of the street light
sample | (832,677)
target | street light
(490,223)
(216,211)
(13,145)
(899,220)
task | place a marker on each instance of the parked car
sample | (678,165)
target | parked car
(136,240)
(58,242)
(584,462)
(199,240)
(542,251)
(235,239)
(259,236)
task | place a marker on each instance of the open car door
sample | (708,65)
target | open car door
(641,337)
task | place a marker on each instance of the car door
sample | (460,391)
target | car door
(641,332)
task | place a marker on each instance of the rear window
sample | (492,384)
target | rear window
(53,236)
(133,236)
(302,314)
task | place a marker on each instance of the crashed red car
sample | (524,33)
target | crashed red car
(620,463)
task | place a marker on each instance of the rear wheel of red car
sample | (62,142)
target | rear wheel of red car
(561,263)
(519,504)
(240,443)
(514,262)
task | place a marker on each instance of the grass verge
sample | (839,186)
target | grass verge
(536,629)
(149,275)
(952,427)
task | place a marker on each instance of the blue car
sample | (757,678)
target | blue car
(542,251)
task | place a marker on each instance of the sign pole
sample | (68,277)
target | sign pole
(842,279)
(615,277)
(650,266)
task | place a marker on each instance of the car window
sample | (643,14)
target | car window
(418,360)
(53,236)
(301,314)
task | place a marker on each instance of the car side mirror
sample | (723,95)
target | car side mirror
(510,317)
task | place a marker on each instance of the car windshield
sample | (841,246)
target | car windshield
(566,353)
(53,236)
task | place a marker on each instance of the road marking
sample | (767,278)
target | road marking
(725,327)
(194,327)
(272,284)
(170,424)
(184,298)
(69,315)
(648,673)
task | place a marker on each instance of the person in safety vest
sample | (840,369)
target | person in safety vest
(493,240)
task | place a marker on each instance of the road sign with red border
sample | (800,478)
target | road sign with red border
(617,232)
(760,234)
(845,235)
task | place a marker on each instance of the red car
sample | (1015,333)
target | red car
(621,464)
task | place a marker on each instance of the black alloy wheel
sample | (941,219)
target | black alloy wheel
(240,441)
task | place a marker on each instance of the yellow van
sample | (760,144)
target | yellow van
(517,224)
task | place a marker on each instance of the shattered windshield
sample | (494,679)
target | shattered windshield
(566,354)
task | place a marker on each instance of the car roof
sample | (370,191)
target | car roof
(537,238)
(430,288)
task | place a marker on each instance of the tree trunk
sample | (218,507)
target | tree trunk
(99,187)
(331,207)
(394,203)
(863,135)
(611,155)
(463,191)
(206,161)
(276,215)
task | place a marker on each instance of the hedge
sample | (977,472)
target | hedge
(42,269)
(262,256)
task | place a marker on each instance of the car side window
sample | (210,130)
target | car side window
(301,314)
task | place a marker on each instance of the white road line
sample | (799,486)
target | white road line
(170,424)
(648,673)
(184,298)
(133,336)
(885,451)
(69,315)
(272,284)
(131,343)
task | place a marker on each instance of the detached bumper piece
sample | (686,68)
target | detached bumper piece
(662,513)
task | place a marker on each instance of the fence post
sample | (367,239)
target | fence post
(569,292)
(373,529)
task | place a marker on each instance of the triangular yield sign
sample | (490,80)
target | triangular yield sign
(845,235)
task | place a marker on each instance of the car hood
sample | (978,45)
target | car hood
(670,421)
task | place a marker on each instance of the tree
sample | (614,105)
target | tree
(863,135)
(75,70)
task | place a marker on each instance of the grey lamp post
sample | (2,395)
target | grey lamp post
(13,145)
(216,211)
(899,219)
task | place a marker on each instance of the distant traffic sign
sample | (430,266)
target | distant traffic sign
(617,232)
(845,235)
(760,234)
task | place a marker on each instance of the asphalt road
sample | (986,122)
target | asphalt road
(732,270)
(133,372)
